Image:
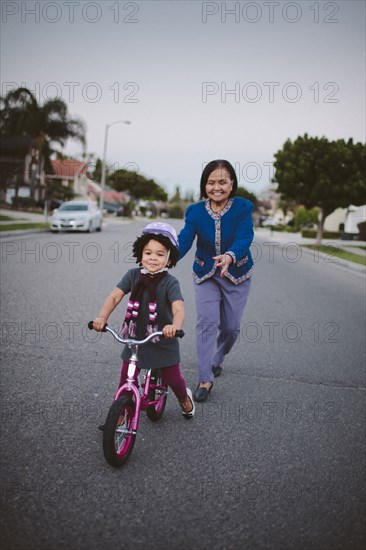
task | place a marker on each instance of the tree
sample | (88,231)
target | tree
(56,189)
(189,196)
(138,186)
(158,194)
(305,215)
(176,197)
(287,205)
(245,194)
(22,116)
(97,172)
(318,173)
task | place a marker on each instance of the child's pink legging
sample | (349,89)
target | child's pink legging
(171,376)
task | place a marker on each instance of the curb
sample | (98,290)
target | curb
(321,255)
(19,232)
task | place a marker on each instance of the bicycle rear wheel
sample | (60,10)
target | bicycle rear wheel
(155,412)
(118,439)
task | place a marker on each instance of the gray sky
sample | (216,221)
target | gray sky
(198,80)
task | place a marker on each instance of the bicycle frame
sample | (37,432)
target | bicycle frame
(141,398)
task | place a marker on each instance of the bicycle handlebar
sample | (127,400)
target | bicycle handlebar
(178,334)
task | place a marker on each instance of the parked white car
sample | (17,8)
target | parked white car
(269,221)
(77,216)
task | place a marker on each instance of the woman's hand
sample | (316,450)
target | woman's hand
(223,261)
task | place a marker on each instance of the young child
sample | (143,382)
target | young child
(156,303)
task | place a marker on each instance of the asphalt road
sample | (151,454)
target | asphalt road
(273,460)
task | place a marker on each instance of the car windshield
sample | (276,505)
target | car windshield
(73,207)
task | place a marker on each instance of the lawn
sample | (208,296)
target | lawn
(16,226)
(334,252)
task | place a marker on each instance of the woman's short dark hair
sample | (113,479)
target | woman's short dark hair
(140,243)
(213,165)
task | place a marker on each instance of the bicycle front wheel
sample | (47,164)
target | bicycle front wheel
(118,439)
(155,412)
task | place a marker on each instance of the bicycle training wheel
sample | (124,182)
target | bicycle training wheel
(118,440)
(155,412)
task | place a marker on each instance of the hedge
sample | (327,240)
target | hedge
(362,231)
(23,202)
(175,211)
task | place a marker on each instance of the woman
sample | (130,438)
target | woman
(222,267)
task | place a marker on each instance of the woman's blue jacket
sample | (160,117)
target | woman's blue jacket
(229,231)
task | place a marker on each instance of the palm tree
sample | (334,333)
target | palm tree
(23,117)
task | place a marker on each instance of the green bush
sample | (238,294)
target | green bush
(289,229)
(311,234)
(175,211)
(23,202)
(285,228)
(332,234)
(308,233)
(362,231)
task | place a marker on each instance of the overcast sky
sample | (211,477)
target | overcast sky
(198,80)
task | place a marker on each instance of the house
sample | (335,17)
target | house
(342,219)
(354,216)
(72,174)
(269,207)
(346,219)
(335,220)
(112,198)
(21,167)
(75,175)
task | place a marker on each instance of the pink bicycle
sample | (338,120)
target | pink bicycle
(122,422)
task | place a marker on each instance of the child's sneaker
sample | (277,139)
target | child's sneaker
(189,414)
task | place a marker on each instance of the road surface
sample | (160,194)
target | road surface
(273,460)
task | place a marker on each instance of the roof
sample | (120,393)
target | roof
(68,168)
(110,196)
(114,196)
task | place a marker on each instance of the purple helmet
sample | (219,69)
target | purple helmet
(162,228)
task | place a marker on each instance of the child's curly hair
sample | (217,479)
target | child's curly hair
(140,243)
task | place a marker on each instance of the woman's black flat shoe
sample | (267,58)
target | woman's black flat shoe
(216,371)
(201,394)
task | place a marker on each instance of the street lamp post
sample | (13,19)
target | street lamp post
(104,162)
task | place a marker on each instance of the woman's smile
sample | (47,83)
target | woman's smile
(219,187)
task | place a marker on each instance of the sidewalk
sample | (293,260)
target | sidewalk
(355,249)
(297,238)
(283,238)
(21,217)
